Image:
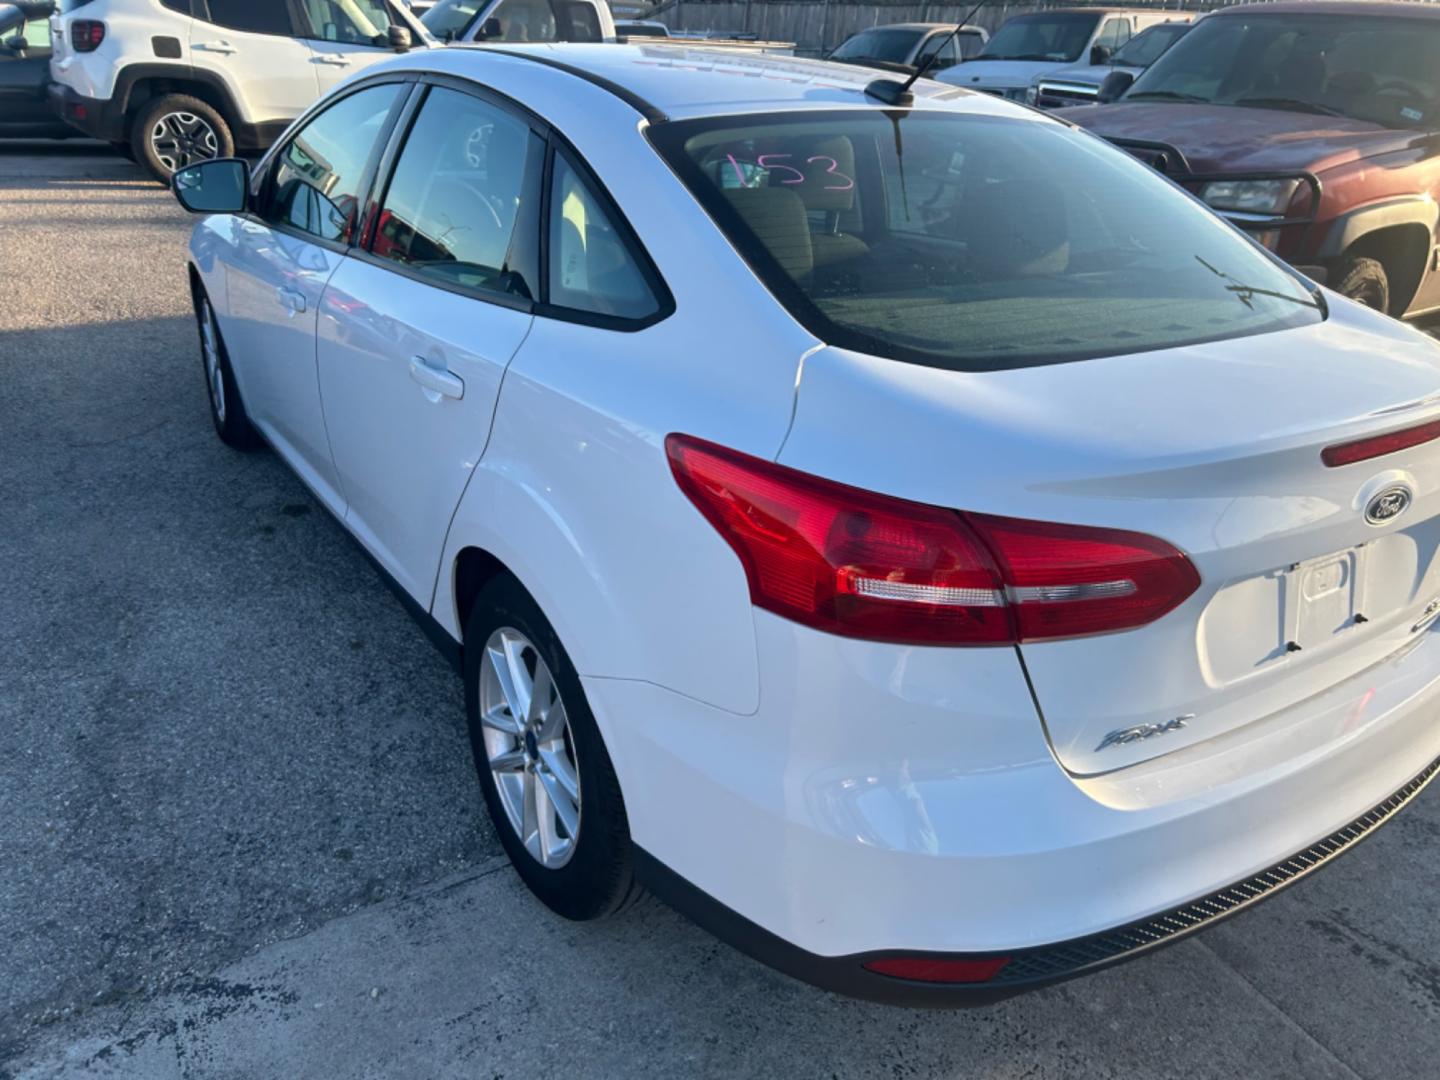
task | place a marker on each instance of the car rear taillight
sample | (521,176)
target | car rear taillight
(932,970)
(86,35)
(869,566)
(1379,445)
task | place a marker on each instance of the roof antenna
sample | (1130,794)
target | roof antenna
(896,93)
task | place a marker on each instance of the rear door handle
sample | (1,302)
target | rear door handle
(292,300)
(333,61)
(223,47)
(436,380)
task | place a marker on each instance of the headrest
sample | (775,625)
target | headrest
(777,216)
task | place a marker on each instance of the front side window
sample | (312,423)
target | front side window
(463,205)
(254,16)
(971,43)
(450,19)
(976,243)
(1149,45)
(349,22)
(1370,68)
(1114,33)
(317,175)
(943,45)
(1057,37)
(592,267)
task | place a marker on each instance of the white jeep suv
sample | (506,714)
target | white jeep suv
(172,82)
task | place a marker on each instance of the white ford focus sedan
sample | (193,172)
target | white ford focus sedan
(918,541)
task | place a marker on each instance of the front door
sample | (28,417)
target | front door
(283,258)
(23,105)
(344,36)
(252,45)
(415,335)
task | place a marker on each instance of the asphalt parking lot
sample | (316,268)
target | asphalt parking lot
(239,830)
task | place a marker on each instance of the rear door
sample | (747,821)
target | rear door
(416,333)
(254,48)
(282,259)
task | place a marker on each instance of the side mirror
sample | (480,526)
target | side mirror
(1115,86)
(399,38)
(17,44)
(1100,54)
(490,29)
(214,187)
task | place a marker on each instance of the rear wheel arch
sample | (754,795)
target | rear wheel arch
(140,86)
(474,569)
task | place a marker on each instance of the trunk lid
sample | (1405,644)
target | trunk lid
(1214,448)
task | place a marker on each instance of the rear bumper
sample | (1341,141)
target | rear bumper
(890,801)
(1024,969)
(100,119)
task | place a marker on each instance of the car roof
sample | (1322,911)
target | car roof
(1385,8)
(913,26)
(677,79)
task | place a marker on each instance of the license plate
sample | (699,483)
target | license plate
(1324,597)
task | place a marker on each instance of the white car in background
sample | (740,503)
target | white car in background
(1031,46)
(172,82)
(919,541)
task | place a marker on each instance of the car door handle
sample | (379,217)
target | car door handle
(333,61)
(223,47)
(292,300)
(437,380)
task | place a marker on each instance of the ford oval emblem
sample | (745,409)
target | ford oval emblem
(1388,505)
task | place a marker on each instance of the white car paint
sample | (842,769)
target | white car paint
(850,796)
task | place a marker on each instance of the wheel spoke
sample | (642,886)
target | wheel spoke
(530,821)
(552,725)
(544,820)
(510,761)
(516,683)
(502,722)
(561,801)
(542,691)
(558,766)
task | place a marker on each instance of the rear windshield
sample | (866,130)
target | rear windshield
(1059,37)
(893,46)
(975,243)
(1376,68)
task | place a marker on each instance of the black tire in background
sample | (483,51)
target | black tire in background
(598,879)
(1365,280)
(227,410)
(197,130)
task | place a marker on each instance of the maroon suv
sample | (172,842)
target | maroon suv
(1315,126)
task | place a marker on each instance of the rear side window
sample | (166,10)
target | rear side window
(593,268)
(318,174)
(463,207)
(976,243)
(350,22)
(254,16)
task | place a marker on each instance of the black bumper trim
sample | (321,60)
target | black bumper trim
(1028,969)
(100,119)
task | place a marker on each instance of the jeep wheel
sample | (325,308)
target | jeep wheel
(175,131)
(1365,280)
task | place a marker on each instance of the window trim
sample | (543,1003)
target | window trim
(264,184)
(664,299)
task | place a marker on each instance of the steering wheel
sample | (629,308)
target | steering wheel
(1400,88)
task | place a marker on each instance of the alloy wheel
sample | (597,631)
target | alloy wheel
(210,348)
(530,748)
(179,139)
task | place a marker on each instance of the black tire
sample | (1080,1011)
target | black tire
(1364,280)
(201,148)
(598,879)
(227,410)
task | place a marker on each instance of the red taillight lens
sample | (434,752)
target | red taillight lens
(1380,445)
(86,35)
(863,565)
(923,969)
(1070,580)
